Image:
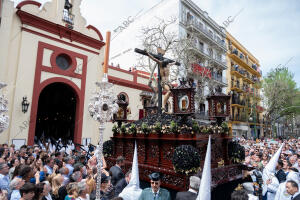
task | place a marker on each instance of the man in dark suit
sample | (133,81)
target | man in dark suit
(292,189)
(280,174)
(116,172)
(191,194)
(122,183)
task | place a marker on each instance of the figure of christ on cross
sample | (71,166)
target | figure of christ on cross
(164,65)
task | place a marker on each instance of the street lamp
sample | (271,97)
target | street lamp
(25,105)
(253,119)
(102,107)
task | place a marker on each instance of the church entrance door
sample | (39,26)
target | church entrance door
(56,112)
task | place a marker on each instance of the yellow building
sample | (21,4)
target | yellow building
(244,76)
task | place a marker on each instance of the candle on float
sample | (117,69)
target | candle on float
(106,56)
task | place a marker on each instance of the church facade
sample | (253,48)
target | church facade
(51,58)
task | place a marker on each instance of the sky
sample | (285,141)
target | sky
(269,29)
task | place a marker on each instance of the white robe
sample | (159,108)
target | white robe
(271,188)
(252,197)
(281,193)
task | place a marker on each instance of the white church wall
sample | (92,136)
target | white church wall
(19,50)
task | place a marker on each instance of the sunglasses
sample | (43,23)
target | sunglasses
(154,182)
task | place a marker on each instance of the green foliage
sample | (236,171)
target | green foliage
(281,93)
(108,147)
(173,127)
(186,159)
(236,152)
(195,126)
(123,128)
(145,128)
(157,127)
(224,125)
(115,129)
(132,128)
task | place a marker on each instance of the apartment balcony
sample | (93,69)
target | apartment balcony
(234,56)
(205,34)
(237,103)
(236,87)
(199,50)
(220,62)
(219,79)
(240,73)
(237,119)
(236,72)
(248,80)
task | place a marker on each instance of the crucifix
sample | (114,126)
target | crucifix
(162,75)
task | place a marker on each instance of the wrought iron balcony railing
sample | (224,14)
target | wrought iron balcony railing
(219,78)
(207,33)
(238,101)
(238,118)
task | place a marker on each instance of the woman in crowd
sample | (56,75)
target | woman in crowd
(17,171)
(57,182)
(48,192)
(82,191)
(14,163)
(40,191)
(72,191)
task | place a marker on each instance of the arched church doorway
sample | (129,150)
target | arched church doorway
(56,112)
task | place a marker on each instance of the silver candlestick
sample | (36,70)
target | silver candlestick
(102,107)
(4,119)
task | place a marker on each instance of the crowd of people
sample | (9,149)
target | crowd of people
(38,173)
(277,163)
(32,172)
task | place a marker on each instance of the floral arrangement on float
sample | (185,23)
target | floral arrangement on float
(236,152)
(172,128)
(108,147)
(186,159)
(161,126)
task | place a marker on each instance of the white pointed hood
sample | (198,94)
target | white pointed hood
(205,185)
(270,167)
(269,170)
(132,191)
(294,176)
(51,147)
